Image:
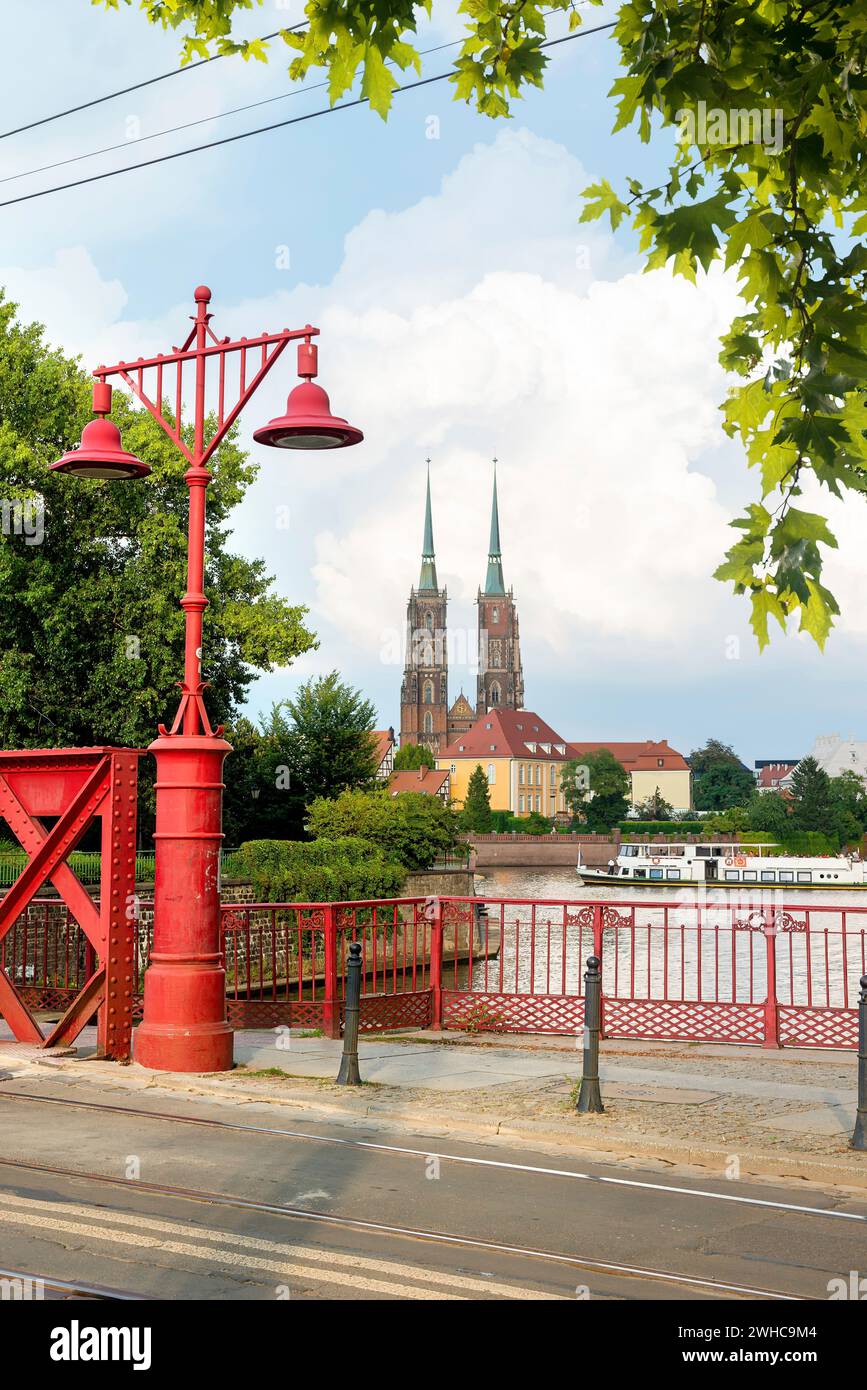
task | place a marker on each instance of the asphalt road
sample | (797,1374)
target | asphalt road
(107,1231)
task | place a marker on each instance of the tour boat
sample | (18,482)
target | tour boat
(758,865)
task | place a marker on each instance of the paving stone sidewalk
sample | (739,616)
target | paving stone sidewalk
(729,1099)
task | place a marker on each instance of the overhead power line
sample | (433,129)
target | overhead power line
(261,130)
(202,120)
(137,86)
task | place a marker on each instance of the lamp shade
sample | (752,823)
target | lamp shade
(308,423)
(100,455)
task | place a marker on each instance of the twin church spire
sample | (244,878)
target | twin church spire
(425,713)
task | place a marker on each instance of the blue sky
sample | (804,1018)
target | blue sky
(465,313)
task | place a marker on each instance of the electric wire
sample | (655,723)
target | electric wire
(137,86)
(202,120)
(261,130)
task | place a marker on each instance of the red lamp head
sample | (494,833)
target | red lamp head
(100,455)
(308,422)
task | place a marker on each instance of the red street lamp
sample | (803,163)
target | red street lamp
(184,1026)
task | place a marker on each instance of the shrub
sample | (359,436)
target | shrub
(327,870)
(410,829)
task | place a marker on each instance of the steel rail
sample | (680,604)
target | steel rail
(798,1209)
(406,1232)
(73,1289)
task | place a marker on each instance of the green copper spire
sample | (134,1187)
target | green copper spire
(428,576)
(494,581)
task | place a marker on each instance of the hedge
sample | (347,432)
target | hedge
(326,870)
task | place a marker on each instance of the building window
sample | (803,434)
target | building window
(428,692)
(492,774)
(521,774)
(538,802)
(428,723)
(453,769)
(538,776)
(428,621)
(495,694)
(495,616)
(521,802)
(553,776)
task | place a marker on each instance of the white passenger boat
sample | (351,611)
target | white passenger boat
(759,865)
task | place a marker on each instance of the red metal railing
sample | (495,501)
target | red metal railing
(702,971)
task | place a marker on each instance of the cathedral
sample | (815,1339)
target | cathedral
(425,714)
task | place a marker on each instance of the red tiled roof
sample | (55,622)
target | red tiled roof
(505,733)
(770,775)
(637,757)
(426,780)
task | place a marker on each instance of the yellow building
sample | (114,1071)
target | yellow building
(522,758)
(652,765)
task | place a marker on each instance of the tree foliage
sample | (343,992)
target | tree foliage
(767,102)
(477,813)
(336,870)
(412,829)
(327,729)
(372,42)
(91,634)
(720,779)
(411,756)
(596,789)
(655,807)
(811,796)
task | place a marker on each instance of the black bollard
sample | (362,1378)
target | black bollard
(859,1136)
(349,1074)
(589,1098)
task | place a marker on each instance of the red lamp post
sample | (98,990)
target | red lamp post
(184,1026)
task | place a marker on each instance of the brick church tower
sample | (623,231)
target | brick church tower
(424,694)
(500,679)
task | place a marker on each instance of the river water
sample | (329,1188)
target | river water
(708,945)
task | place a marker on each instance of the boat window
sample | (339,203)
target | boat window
(768,876)
(656,873)
(641,873)
(625,871)
(786,876)
(750,875)
(672,873)
(702,851)
(805,876)
(732,875)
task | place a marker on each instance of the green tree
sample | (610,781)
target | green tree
(596,789)
(811,797)
(848,806)
(722,786)
(735,820)
(655,808)
(720,779)
(476,813)
(413,829)
(410,756)
(91,634)
(767,104)
(769,812)
(327,727)
(257,801)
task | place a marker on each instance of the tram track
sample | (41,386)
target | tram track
(24,1285)
(411,1234)
(229,1126)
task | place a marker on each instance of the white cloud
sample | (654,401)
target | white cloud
(464,326)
